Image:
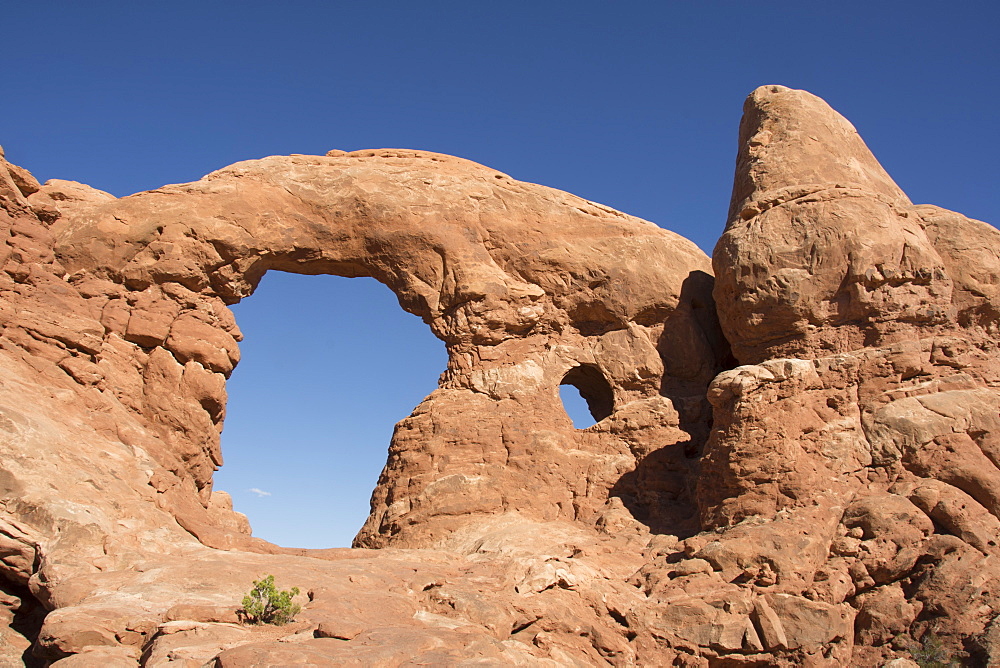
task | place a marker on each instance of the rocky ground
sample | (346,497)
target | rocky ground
(795,463)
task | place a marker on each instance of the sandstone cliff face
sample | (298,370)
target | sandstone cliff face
(834,501)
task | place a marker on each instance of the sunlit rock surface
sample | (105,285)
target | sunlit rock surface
(834,501)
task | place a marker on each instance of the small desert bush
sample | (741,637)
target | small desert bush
(266,604)
(931,653)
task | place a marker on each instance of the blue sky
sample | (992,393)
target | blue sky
(632,104)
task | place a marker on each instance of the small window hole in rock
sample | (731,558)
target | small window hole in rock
(329,365)
(586,395)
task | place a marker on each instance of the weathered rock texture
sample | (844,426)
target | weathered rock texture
(833,502)
(857,450)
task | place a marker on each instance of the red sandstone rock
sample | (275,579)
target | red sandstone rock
(886,415)
(834,501)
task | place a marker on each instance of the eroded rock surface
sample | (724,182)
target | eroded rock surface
(856,450)
(834,501)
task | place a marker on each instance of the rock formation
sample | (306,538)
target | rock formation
(832,501)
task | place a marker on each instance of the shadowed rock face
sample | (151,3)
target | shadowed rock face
(833,502)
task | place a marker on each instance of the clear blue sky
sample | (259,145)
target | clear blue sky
(632,104)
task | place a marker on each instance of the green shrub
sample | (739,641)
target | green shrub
(265,604)
(931,653)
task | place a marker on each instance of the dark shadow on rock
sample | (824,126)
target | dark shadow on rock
(657,492)
(28,617)
(692,345)
(660,492)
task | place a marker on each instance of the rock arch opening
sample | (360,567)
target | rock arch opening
(593,390)
(329,365)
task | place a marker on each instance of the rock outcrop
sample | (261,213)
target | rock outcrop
(856,449)
(833,501)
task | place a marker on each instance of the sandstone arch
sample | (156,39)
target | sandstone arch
(505,273)
(511,276)
(834,499)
